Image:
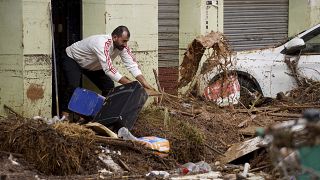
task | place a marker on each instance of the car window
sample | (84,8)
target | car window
(312,41)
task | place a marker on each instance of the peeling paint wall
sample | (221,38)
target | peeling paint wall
(25,65)
(37,58)
(25,60)
(140,16)
(11,44)
(303,14)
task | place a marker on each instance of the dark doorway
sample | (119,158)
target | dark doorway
(67,22)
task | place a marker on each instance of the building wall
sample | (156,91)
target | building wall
(11,48)
(37,68)
(303,14)
(25,57)
(140,16)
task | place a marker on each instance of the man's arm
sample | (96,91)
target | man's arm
(124,80)
(140,78)
(144,82)
(131,64)
(102,49)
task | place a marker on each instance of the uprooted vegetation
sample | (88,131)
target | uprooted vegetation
(217,53)
(308,90)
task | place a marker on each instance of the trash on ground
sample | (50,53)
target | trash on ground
(240,149)
(160,146)
(212,175)
(125,134)
(50,121)
(108,161)
(194,168)
(13,160)
(157,175)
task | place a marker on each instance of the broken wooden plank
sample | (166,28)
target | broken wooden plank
(100,129)
(240,149)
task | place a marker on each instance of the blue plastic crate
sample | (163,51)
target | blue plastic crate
(85,102)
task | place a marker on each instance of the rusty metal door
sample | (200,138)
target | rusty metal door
(253,24)
(168,33)
(168,43)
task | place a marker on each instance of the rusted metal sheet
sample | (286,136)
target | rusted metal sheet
(253,24)
(168,33)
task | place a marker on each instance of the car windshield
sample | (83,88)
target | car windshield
(313,35)
(312,41)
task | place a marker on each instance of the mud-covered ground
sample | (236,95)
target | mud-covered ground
(197,131)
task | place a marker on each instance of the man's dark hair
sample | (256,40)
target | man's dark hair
(119,30)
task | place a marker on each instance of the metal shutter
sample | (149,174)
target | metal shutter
(252,24)
(168,33)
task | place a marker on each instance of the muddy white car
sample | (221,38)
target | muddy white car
(265,70)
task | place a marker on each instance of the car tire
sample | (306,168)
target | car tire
(249,90)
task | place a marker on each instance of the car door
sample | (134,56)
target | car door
(309,61)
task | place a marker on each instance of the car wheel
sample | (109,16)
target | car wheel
(249,91)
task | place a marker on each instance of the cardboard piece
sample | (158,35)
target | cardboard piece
(240,149)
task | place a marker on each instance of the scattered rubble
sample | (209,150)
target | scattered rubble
(217,53)
(221,140)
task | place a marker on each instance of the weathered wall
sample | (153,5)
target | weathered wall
(37,58)
(140,16)
(11,44)
(302,15)
(93,17)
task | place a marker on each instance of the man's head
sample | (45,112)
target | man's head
(120,37)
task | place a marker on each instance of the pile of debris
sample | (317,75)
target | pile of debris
(62,149)
(307,91)
(217,55)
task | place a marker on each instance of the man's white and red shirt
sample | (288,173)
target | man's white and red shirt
(97,52)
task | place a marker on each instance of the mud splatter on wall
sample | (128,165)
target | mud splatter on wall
(35,92)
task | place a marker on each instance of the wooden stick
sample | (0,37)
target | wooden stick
(297,107)
(181,112)
(157,80)
(259,168)
(261,109)
(215,150)
(222,142)
(285,115)
(124,165)
(11,110)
